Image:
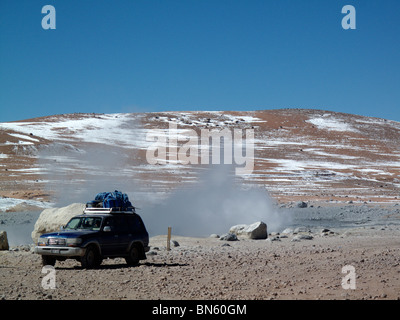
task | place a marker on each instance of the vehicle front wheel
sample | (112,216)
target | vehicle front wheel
(91,258)
(133,258)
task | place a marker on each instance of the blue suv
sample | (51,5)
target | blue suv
(97,234)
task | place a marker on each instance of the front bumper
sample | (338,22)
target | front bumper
(60,251)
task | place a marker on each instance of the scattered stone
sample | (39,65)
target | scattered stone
(301,229)
(302,204)
(24,247)
(214,235)
(287,231)
(229,237)
(302,237)
(3,241)
(174,243)
(274,238)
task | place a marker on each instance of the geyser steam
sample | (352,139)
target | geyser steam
(213,205)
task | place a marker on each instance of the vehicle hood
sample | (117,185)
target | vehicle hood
(67,234)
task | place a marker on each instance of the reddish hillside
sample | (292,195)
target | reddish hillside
(299,154)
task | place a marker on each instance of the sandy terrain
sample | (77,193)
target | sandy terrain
(209,268)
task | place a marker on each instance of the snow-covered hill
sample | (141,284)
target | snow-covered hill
(299,154)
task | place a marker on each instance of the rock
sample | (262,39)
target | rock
(229,237)
(302,237)
(237,229)
(274,238)
(287,231)
(301,229)
(302,204)
(52,219)
(214,235)
(174,243)
(257,230)
(4,241)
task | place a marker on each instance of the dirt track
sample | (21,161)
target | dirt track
(208,268)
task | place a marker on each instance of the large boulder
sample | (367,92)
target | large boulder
(257,230)
(3,241)
(52,219)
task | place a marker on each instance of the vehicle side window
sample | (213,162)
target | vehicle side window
(135,224)
(110,222)
(121,224)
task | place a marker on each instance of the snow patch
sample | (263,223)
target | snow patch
(22,136)
(331,124)
(101,129)
(9,203)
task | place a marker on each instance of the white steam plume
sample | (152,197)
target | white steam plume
(213,205)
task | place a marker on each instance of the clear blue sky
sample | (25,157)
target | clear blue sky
(147,55)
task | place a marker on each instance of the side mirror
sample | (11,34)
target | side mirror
(107,229)
(62,228)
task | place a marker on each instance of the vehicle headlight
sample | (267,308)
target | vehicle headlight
(74,242)
(42,242)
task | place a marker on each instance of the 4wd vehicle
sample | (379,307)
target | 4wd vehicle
(97,234)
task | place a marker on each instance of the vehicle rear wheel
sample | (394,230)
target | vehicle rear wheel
(91,258)
(48,260)
(133,258)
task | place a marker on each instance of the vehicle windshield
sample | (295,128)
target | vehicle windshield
(84,223)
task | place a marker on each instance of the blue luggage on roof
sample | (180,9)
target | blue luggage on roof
(115,199)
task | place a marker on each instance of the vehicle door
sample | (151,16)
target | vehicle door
(109,240)
(124,234)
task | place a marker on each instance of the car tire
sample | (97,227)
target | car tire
(133,258)
(91,259)
(48,260)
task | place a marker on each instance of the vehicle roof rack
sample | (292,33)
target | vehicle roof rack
(130,210)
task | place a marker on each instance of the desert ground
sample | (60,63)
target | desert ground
(304,264)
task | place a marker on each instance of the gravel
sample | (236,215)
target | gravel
(207,268)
